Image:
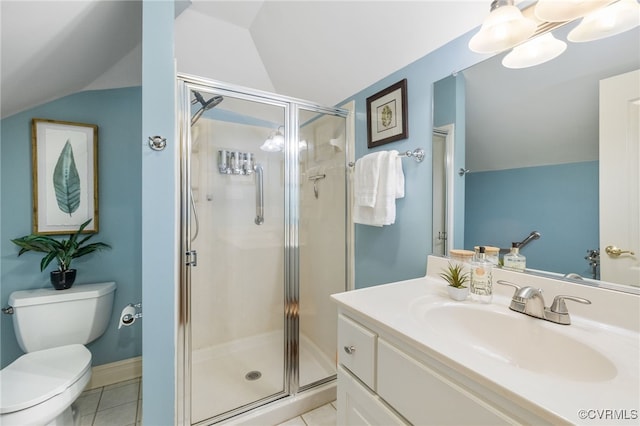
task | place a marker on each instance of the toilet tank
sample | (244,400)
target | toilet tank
(47,318)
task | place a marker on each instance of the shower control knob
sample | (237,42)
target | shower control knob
(350,349)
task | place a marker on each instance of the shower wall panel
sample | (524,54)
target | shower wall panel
(322,237)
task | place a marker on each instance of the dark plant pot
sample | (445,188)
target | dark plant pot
(62,280)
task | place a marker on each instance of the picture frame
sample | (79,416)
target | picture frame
(64,159)
(387,115)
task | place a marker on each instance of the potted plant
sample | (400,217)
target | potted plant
(455,276)
(64,251)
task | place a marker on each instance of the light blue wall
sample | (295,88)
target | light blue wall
(444,101)
(160,255)
(117,113)
(399,251)
(540,192)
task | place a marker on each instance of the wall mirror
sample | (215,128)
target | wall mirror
(528,143)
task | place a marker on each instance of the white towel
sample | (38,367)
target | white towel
(399,176)
(366,178)
(390,186)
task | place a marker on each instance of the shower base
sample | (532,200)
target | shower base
(228,376)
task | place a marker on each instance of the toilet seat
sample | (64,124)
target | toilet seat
(39,376)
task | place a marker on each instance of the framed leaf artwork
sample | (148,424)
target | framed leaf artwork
(65,176)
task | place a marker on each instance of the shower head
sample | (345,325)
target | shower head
(206,105)
(197,98)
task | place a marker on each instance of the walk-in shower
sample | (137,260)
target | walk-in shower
(257,327)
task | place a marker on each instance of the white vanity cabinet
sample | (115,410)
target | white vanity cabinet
(379,383)
(408,354)
(358,403)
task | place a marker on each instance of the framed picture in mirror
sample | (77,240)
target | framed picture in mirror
(387,115)
(65,176)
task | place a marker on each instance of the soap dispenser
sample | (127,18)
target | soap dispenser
(481,288)
(513,260)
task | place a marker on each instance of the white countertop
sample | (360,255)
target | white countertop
(402,308)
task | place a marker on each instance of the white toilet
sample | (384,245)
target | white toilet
(52,327)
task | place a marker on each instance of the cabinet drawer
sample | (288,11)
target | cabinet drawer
(358,406)
(425,397)
(357,349)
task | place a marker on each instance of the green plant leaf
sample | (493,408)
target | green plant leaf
(66,181)
(64,251)
(455,275)
(47,260)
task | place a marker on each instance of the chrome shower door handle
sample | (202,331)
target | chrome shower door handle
(259,194)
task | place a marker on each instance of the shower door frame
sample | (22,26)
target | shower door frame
(291,107)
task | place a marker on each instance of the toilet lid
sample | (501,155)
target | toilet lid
(38,376)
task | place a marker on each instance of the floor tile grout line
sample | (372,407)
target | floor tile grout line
(95,413)
(332,404)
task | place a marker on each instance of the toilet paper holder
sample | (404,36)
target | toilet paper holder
(130,314)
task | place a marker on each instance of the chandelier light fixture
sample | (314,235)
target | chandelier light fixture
(275,141)
(507,28)
(504,28)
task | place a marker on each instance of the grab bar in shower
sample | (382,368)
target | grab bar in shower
(259,194)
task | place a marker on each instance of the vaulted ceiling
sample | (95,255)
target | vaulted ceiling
(319,50)
(53,48)
(323,51)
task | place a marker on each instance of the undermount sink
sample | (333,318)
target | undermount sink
(519,340)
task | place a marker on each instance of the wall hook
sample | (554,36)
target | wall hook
(157,143)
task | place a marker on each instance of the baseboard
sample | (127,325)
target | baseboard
(114,372)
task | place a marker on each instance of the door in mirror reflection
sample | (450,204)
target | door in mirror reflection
(439,195)
(620,179)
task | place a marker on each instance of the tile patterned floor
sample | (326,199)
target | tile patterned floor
(120,404)
(321,416)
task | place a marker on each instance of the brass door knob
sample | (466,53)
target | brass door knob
(615,251)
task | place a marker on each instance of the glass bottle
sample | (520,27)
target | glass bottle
(481,288)
(513,260)
(492,254)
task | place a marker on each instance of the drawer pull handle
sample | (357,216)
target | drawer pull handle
(350,349)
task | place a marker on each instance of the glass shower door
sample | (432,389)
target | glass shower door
(237,326)
(322,237)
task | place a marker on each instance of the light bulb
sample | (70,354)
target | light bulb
(535,52)
(504,28)
(614,19)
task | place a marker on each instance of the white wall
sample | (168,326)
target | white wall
(213,48)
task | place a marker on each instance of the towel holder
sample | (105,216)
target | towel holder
(417,154)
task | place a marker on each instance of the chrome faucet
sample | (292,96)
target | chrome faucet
(528,300)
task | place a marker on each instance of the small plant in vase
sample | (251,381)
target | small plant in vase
(455,276)
(64,251)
